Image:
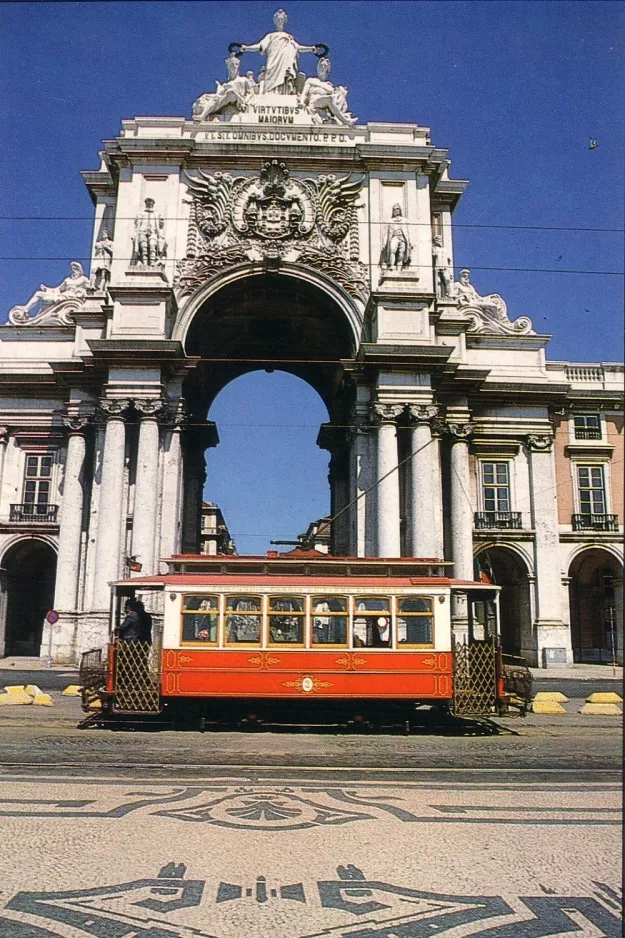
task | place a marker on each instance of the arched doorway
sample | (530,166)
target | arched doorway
(505,568)
(594,606)
(30,572)
(270,322)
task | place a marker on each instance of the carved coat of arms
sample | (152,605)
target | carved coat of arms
(310,221)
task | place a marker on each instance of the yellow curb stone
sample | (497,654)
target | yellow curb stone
(42,700)
(13,699)
(33,690)
(556,696)
(604,710)
(72,690)
(14,689)
(609,697)
(547,706)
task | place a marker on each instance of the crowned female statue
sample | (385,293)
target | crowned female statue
(281,51)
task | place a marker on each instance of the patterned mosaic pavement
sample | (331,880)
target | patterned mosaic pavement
(247,857)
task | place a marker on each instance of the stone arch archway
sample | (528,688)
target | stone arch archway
(272,321)
(29,573)
(596,607)
(506,568)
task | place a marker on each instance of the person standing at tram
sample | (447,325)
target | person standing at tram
(131,628)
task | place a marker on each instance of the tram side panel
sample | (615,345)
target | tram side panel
(342,672)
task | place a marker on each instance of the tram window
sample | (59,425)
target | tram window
(372,623)
(286,620)
(414,620)
(200,616)
(484,619)
(329,620)
(243,619)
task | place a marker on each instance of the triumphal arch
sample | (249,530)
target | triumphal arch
(272,229)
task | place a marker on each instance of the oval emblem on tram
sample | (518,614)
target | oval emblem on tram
(307,684)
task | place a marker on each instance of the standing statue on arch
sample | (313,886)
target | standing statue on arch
(281,50)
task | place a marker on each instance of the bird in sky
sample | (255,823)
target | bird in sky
(592,143)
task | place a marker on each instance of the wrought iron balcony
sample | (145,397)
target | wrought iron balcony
(602,522)
(30,512)
(587,433)
(505,520)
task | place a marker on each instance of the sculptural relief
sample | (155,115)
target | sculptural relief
(275,218)
(443,273)
(54,303)
(323,101)
(489,314)
(283,94)
(102,261)
(149,247)
(230,97)
(396,251)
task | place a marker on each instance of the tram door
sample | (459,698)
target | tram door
(476,659)
(137,670)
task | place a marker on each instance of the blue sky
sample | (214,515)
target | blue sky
(513,89)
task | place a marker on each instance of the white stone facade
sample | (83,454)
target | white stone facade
(432,390)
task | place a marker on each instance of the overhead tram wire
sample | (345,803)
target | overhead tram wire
(523,270)
(416,224)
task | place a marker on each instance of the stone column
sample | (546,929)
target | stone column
(461,507)
(333,439)
(362,494)
(171,510)
(4,439)
(68,563)
(549,630)
(197,439)
(146,485)
(461,520)
(108,544)
(388,538)
(424,538)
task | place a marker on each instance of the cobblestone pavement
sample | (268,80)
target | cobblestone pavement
(251,854)
(309,835)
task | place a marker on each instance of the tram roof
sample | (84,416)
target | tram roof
(302,568)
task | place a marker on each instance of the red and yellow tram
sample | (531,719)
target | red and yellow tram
(301,634)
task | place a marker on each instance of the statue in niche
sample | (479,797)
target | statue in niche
(489,313)
(322,100)
(281,50)
(149,248)
(443,275)
(396,248)
(102,261)
(73,287)
(233,95)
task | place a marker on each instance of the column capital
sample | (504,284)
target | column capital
(386,413)
(460,431)
(421,413)
(177,416)
(542,443)
(76,423)
(150,408)
(4,436)
(111,409)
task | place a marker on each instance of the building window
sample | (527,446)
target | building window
(587,427)
(496,486)
(37,481)
(592,500)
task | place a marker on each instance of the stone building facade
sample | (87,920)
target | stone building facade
(273,229)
